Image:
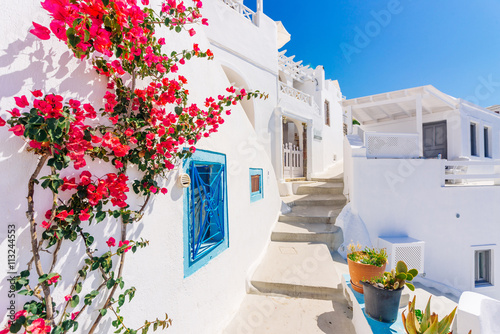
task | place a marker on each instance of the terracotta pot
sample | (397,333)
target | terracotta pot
(360,271)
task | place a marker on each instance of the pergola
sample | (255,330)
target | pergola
(402,104)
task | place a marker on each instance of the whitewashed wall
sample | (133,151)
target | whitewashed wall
(398,197)
(201,303)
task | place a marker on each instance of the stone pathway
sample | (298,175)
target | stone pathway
(297,286)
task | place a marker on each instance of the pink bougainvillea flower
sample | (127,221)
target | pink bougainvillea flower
(40,31)
(37,93)
(161,41)
(22,313)
(204,22)
(74,315)
(22,101)
(2,122)
(46,224)
(153,189)
(67,298)
(14,112)
(59,29)
(164,191)
(192,32)
(5,331)
(118,164)
(111,242)
(84,215)
(160,68)
(17,129)
(126,242)
(199,4)
(53,280)
(38,326)
(145,2)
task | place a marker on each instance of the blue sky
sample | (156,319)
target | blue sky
(378,46)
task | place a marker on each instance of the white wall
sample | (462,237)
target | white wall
(398,197)
(201,303)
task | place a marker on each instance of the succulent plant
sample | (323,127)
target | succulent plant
(429,323)
(396,278)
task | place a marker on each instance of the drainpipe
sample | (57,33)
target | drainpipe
(259,12)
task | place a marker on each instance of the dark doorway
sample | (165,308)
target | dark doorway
(435,140)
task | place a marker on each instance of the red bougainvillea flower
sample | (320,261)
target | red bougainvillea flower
(111,242)
(46,224)
(164,191)
(6,330)
(2,122)
(67,298)
(192,32)
(38,326)
(22,313)
(17,129)
(145,2)
(37,93)
(40,31)
(74,315)
(126,242)
(53,280)
(22,101)
(84,215)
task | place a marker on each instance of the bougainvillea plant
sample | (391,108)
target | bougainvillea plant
(146,124)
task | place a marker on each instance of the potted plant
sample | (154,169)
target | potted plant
(419,322)
(365,264)
(382,294)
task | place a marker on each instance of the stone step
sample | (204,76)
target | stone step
(319,188)
(296,179)
(311,214)
(297,269)
(334,201)
(260,314)
(336,179)
(308,232)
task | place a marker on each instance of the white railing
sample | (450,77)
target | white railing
(241,8)
(292,161)
(293,68)
(470,173)
(299,95)
(391,145)
(316,107)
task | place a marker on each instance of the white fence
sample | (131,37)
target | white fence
(293,161)
(470,173)
(242,9)
(391,145)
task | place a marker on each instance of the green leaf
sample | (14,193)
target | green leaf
(167,21)
(89,241)
(25,273)
(100,215)
(78,288)
(26,293)
(17,325)
(178,29)
(105,2)
(103,311)
(410,286)
(413,272)
(74,301)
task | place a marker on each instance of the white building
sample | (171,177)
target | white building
(199,291)
(425,165)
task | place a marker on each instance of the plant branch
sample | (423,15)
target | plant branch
(34,238)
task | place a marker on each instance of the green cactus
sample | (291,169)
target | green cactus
(429,323)
(395,279)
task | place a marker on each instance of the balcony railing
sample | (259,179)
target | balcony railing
(301,96)
(242,9)
(391,145)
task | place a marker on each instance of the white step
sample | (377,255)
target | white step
(333,201)
(328,234)
(311,214)
(319,188)
(260,314)
(297,269)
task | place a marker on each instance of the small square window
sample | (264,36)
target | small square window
(256,184)
(482,268)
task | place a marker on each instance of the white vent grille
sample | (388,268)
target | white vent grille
(391,145)
(406,249)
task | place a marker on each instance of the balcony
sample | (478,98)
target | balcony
(299,95)
(242,9)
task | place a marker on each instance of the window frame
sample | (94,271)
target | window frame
(327,112)
(487,133)
(487,282)
(192,264)
(474,149)
(257,195)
